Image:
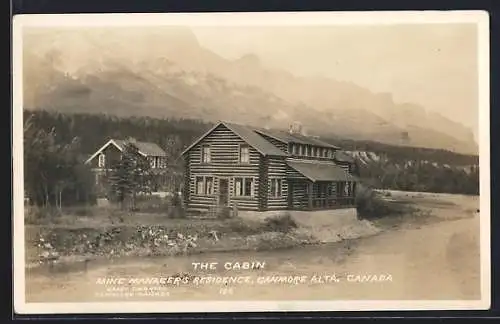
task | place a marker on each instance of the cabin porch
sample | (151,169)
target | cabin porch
(309,195)
(316,185)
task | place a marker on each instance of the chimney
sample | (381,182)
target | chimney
(296,128)
(132,140)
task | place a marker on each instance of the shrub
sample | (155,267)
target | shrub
(152,204)
(244,227)
(30,216)
(370,205)
(116,215)
(224,212)
(273,240)
(36,215)
(81,211)
(176,212)
(176,209)
(281,223)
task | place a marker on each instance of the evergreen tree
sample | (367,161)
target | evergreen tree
(53,173)
(130,176)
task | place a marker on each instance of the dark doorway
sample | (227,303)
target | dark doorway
(223,192)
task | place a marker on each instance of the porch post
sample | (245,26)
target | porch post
(337,193)
(310,194)
(353,193)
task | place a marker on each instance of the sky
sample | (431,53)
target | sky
(434,65)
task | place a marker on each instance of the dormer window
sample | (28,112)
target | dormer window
(244,154)
(205,154)
(102,160)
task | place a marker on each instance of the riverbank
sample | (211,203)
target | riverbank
(80,239)
(65,243)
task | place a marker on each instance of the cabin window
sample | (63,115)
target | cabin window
(199,185)
(153,162)
(275,187)
(238,183)
(248,187)
(244,154)
(205,154)
(204,185)
(345,189)
(318,152)
(209,185)
(243,187)
(325,152)
(330,153)
(330,189)
(102,160)
(161,161)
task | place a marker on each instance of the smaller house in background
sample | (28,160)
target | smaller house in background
(102,161)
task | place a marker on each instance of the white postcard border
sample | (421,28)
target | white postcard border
(480,18)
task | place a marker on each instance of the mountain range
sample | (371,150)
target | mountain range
(165,72)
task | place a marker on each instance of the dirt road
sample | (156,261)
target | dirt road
(438,260)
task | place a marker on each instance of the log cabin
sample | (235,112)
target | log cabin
(262,170)
(102,161)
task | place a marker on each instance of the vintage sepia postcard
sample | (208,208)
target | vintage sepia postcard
(251,162)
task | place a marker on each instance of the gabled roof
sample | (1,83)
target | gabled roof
(287,137)
(145,148)
(247,134)
(321,171)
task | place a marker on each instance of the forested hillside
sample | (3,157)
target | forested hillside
(93,130)
(381,165)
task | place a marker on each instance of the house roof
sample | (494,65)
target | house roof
(145,148)
(258,142)
(287,137)
(247,134)
(320,171)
